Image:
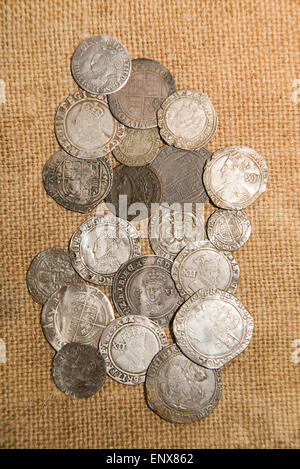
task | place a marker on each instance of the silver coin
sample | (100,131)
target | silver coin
(144,286)
(179,390)
(180,173)
(77,313)
(187,119)
(85,127)
(101,65)
(201,265)
(228,230)
(235,177)
(171,230)
(212,327)
(48,271)
(78,370)
(100,245)
(77,184)
(136,104)
(128,345)
(138,147)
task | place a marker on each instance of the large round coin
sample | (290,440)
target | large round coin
(136,104)
(179,390)
(235,177)
(77,184)
(180,173)
(228,229)
(144,286)
(133,192)
(85,127)
(187,119)
(48,271)
(101,65)
(128,345)
(100,245)
(212,327)
(78,370)
(201,265)
(138,147)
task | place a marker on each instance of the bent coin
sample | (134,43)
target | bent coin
(179,390)
(228,230)
(138,147)
(78,370)
(212,327)
(128,345)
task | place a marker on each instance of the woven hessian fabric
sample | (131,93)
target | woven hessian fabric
(243,54)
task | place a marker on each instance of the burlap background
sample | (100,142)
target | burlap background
(244,55)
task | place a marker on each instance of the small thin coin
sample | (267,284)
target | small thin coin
(138,147)
(101,65)
(212,327)
(78,370)
(48,271)
(136,104)
(85,127)
(77,313)
(180,173)
(133,192)
(179,390)
(100,245)
(187,119)
(201,265)
(128,345)
(235,177)
(171,230)
(144,286)
(77,184)
(228,230)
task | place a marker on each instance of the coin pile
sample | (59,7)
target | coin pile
(130,108)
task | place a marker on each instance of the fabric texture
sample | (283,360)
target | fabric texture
(244,55)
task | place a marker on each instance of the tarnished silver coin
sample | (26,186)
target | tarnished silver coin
(187,119)
(235,177)
(85,127)
(138,147)
(77,313)
(212,327)
(128,345)
(78,370)
(100,245)
(48,271)
(77,184)
(136,104)
(228,230)
(170,230)
(144,286)
(180,173)
(179,390)
(133,192)
(201,265)
(101,65)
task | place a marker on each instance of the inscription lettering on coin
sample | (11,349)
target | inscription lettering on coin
(212,327)
(128,345)
(136,104)
(178,389)
(85,127)
(78,370)
(101,65)
(48,271)
(228,229)
(235,177)
(138,147)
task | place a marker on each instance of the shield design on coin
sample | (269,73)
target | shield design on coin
(86,324)
(81,179)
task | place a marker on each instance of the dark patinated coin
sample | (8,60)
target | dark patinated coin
(48,271)
(133,191)
(78,370)
(77,184)
(137,103)
(179,390)
(144,286)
